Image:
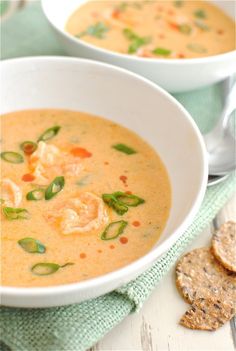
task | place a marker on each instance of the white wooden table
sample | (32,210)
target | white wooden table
(156,328)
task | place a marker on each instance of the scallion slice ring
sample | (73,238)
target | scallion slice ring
(32,245)
(35,195)
(113,230)
(47,268)
(12,157)
(55,187)
(49,133)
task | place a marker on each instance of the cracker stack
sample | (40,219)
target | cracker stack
(206,278)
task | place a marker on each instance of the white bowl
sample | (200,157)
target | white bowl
(173,75)
(123,97)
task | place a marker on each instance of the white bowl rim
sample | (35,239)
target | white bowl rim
(155,253)
(132,58)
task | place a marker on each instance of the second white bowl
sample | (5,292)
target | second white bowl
(174,75)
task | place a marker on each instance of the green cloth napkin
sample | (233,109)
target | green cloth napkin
(79,326)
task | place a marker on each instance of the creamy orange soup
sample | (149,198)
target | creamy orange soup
(154,29)
(81,196)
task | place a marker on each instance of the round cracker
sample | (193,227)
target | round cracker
(199,275)
(207,314)
(224,245)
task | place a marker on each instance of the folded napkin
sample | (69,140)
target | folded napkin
(79,326)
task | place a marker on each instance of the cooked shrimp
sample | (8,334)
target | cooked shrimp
(82,214)
(48,161)
(10,193)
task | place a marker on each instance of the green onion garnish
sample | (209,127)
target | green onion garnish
(130,34)
(112,202)
(35,195)
(202,25)
(122,7)
(55,187)
(28,147)
(178,3)
(124,148)
(120,201)
(12,157)
(15,213)
(49,133)
(200,14)
(113,230)
(46,268)
(136,40)
(128,199)
(136,44)
(185,29)
(2,201)
(32,245)
(161,51)
(97,30)
(197,48)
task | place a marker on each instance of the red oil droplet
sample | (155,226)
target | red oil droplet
(82,255)
(112,247)
(123,178)
(123,240)
(28,177)
(136,223)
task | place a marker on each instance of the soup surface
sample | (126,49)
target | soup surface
(154,29)
(81,196)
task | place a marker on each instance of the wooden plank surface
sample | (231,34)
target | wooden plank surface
(155,327)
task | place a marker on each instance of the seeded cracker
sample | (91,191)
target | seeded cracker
(207,314)
(224,245)
(199,275)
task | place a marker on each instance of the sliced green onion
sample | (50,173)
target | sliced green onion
(178,3)
(112,202)
(35,195)
(28,147)
(113,230)
(15,213)
(32,245)
(124,148)
(46,268)
(161,51)
(202,25)
(120,201)
(122,7)
(200,14)
(137,41)
(12,157)
(49,133)
(2,201)
(197,48)
(55,187)
(130,34)
(128,199)
(185,29)
(97,30)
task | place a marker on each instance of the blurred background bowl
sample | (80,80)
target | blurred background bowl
(174,75)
